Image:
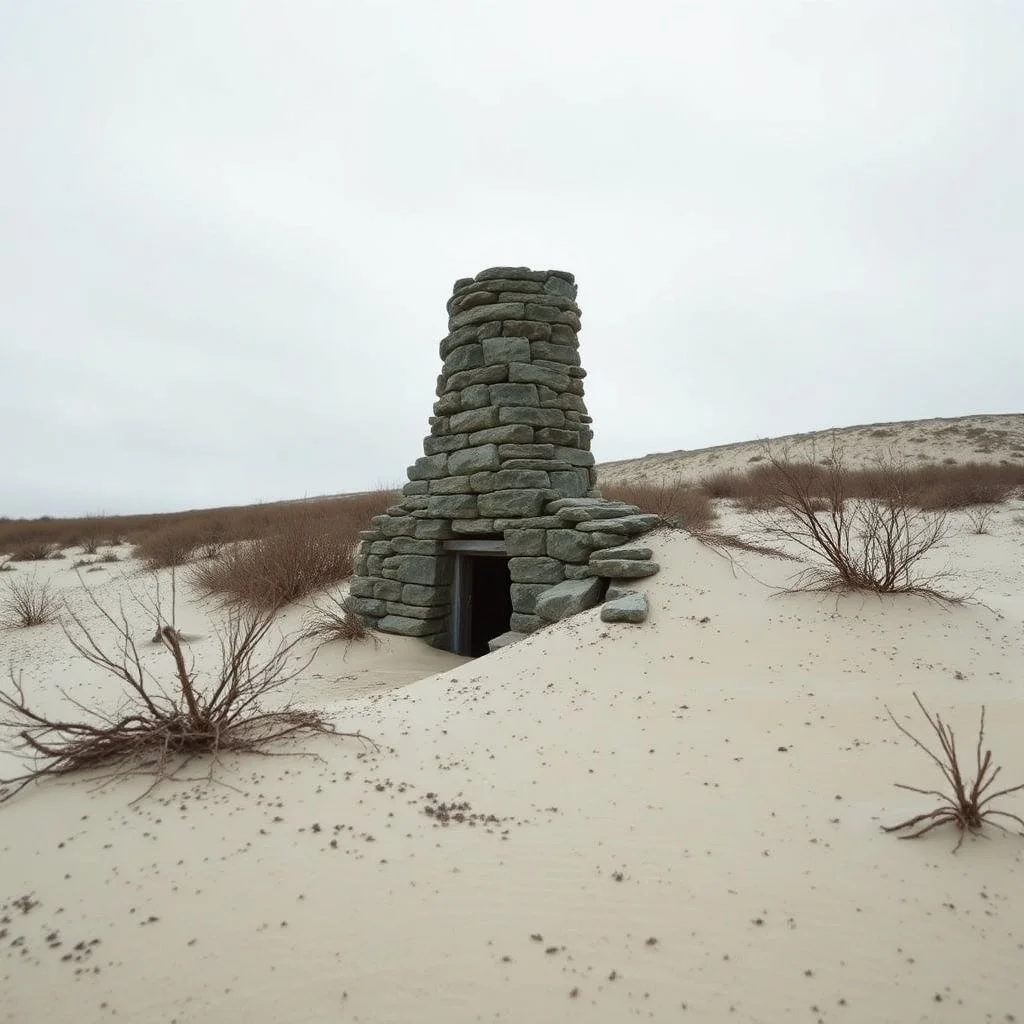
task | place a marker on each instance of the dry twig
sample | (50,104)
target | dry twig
(968,808)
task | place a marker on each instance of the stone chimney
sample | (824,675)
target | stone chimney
(502,506)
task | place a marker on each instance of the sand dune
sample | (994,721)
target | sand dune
(674,821)
(963,439)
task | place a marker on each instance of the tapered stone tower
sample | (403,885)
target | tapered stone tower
(501,507)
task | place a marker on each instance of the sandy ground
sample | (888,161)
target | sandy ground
(680,821)
(962,439)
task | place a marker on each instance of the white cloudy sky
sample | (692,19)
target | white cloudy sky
(228,228)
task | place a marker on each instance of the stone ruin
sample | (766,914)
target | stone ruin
(501,529)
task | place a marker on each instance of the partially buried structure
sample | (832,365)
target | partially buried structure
(501,528)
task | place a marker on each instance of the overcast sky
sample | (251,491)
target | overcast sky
(228,230)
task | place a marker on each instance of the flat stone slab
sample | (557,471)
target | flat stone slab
(634,552)
(629,607)
(569,598)
(623,568)
(506,640)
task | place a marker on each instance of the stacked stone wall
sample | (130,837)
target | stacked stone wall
(508,455)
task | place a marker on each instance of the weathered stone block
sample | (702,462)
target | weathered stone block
(560,286)
(399,526)
(481,482)
(476,396)
(535,570)
(568,598)
(604,539)
(562,355)
(416,503)
(530,330)
(466,357)
(525,502)
(423,569)
(447,443)
(449,485)
(416,487)
(514,394)
(512,274)
(529,523)
(518,479)
(506,350)
(415,611)
(505,640)
(361,586)
(527,451)
(374,565)
(570,319)
(572,483)
(545,313)
(381,547)
(633,551)
(452,506)
(474,527)
(482,375)
(520,623)
(386,590)
(562,302)
(568,545)
(598,510)
(477,419)
(510,433)
(574,456)
(464,336)
(427,597)
(429,467)
(623,568)
(470,299)
(548,465)
(531,416)
(631,607)
(524,542)
(524,596)
(403,626)
(367,606)
(489,330)
(492,311)
(433,529)
(553,435)
(447,404)
(472,460)
(562,334)
(500,284)
(527,373)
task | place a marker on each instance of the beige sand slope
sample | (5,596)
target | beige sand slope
(687,825)
(961,439)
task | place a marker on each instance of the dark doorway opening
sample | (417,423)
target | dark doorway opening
(481,595)
(490,601)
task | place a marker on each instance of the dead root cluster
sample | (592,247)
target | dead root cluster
(967,806)
(160,728)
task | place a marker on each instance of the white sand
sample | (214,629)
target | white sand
(731,758)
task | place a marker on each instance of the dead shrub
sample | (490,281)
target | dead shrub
(968,806)
(167,547)
(29,603)
(33,551)
(308,551)
(161,727)
(979,519)
(675,502)
(334,620)
(859,543)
